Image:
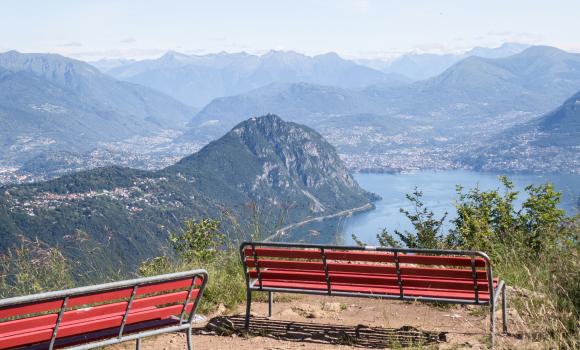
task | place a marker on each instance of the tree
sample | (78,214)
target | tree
(427,232)
(488,218)
(199,242)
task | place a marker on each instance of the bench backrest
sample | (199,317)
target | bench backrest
(417,274)
(54,315)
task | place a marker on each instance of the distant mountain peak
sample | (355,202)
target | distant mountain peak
(58,69)
(543,50)
(504,50)
(329,56)
(283,53)
(74,106)
(265,119)
(174,55)
(284,57)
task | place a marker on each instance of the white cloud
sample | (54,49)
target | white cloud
(135,53)
(361,5)
(128,41)
(71,44)
(510,36)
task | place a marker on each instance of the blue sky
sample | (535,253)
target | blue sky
(354,28)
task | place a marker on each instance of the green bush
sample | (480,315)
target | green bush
(428,229)
(201,244)
(33,268)
(534,248)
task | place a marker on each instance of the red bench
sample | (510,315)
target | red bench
(96,316)
(448,276)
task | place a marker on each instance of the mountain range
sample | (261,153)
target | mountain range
(469,102)
(421,66)
(552,139)
(198,79)
(53,103)
(275,171)
(63,115)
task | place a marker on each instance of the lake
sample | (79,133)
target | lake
(438,189)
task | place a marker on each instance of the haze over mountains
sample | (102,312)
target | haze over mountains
(54,103)
(275,171)
(533,81)
(63,115)
(420,66)
(196,80)
(454,112)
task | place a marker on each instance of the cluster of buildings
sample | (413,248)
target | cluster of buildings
(134,198)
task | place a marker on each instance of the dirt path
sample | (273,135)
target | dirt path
(464,327)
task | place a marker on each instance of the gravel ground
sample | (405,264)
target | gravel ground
(315,322)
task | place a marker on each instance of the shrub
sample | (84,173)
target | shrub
(427,232)
(199,242)
(201,245)
(33,268)
(535,248)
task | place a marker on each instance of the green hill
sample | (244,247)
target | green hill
(120,216)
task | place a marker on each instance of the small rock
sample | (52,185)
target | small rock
(288,313)
(333,307)
(221,309)
(311,315)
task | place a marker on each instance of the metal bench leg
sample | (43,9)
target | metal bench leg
(270,302)
(504,310)
(189,340)
(138,344)
(248,308)
(492,323)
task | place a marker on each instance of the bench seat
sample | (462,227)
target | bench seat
(376,284)
(460,277)
(377,290)
(94,336)
(78,316)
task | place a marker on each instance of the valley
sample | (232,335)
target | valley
(264,173)
(419,151)
(377,122)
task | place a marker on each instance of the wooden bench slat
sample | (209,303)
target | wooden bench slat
(166,286)
(30,308)
(285,253)
(404,258)
(440,260)
(287,264)
(99,297)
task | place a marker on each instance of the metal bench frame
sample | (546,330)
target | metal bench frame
(185,321)
(493,292)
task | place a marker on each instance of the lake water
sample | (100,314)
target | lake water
(438,189)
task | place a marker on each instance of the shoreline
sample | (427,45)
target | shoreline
(346,212)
